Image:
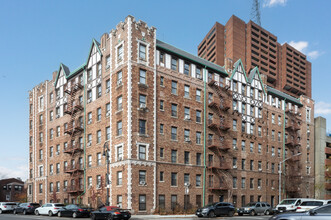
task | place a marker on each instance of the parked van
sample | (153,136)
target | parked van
(290,204)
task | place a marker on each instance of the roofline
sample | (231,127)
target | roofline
(284,96)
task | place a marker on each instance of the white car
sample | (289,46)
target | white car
(49,209)
(7,206)
(310,204)
(290,204)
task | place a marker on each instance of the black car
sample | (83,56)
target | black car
(74,211)
(110,212)
(216,209)
(26,208)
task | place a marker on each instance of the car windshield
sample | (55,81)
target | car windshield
(10,203)
(251,204)
(209,205)
(287,202)
(59,205)
(35,204)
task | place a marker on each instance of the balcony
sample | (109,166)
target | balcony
(74,129)
(74,168)
(73,89)
(74,109)
(75,189)
(219,188)
(218,144)
(73,149)
(223,165)
(222,126)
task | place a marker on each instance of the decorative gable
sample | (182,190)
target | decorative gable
(94,55)
(62,73)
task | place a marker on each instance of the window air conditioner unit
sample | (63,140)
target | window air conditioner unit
(120,158)
(259,187)
(274,104)
(51,173)
(235,108)
(260,169)
(142,106)
(107,90)
(187,184)
(234,166)
(89,121)
(89,143)
(89,100)
(108,66)
(272,187)
(99,186)
(58,115)
(119,82)
(57,153)
(273,154)
(108,114)
(187,139)
(143,183)
(65,190)
(186,117)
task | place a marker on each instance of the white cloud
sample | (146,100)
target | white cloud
(272,3)
(323,108)
(300,45)
(20,171)
(314,54)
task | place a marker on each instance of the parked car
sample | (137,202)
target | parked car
(26,208)
(319,213)
(7,207)
(310,204)
(74,211)
(216,209)
(291,204)
(254,208)
(111,212)
(49,209)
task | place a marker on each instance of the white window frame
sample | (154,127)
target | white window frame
(147,149)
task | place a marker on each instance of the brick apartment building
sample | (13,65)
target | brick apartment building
(286,68)
(11,189)
(181,131)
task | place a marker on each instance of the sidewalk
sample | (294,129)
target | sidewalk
(161,216)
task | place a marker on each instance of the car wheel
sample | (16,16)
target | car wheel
(14,212)
(211,214)
(74,215)
(231,213)
(59,214)
(24,212)
(267,212)
(253,213)
(240,214)
(93,217)
(50,213)
(36,212)
(0,211)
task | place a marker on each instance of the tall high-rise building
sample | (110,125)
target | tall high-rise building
(286,68)
(180,131)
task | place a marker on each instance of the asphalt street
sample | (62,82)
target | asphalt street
(27,217)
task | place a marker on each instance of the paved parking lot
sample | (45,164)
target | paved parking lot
(28,217)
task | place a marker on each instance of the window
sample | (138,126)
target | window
(198,73)
(259,131)
(279,120)
(89,139)
(186,157)
(119,128)
(142,177)
(119,153)
(273,118)
(260,166)
(198,116)
(186,113)
(198,137)
(273,135)
(259,149)
(142,152)
(186,91)
(186,69)
(252,93)
(234,125)
(89,159)
(273,167)
(107,86)
(41,119)
(251,164)
(161,128)
(173,179)
(243,182)
(120,53)
(251,147)
(99,91)
(251,183)
(174,110)
(51,116)
(98,181)
(41,171)
(279,134)
(243,127)
(174,87)
(119,201)
(187,135)
(234,162)
(198,159)
(58,131)
(99,114)
(198,180)
(40,154)
(251,129)
(173,156)
(98,159)
(173,63)
(89,75)
(51,169)
(142,101)
(51,133)
(161,105)
(99,136)
(198,95)
(161,152)
(40,188)
(186,178)
(243,108)
(142,202)
(107,62)
(142,51)
(173,133)
(234,144)
(234,182)
(142,127)
(119,78)
(119,178)
(278,152)
(142,77)
(162,201)
(243,145)
(161,176)
(161,81)
(51,97)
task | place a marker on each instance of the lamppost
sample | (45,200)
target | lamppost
(280,176)
(106,154)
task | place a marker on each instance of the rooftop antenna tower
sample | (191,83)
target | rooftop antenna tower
(255,13)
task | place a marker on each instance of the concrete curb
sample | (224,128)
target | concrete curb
(161,216)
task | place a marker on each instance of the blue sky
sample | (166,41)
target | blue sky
(35,36)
